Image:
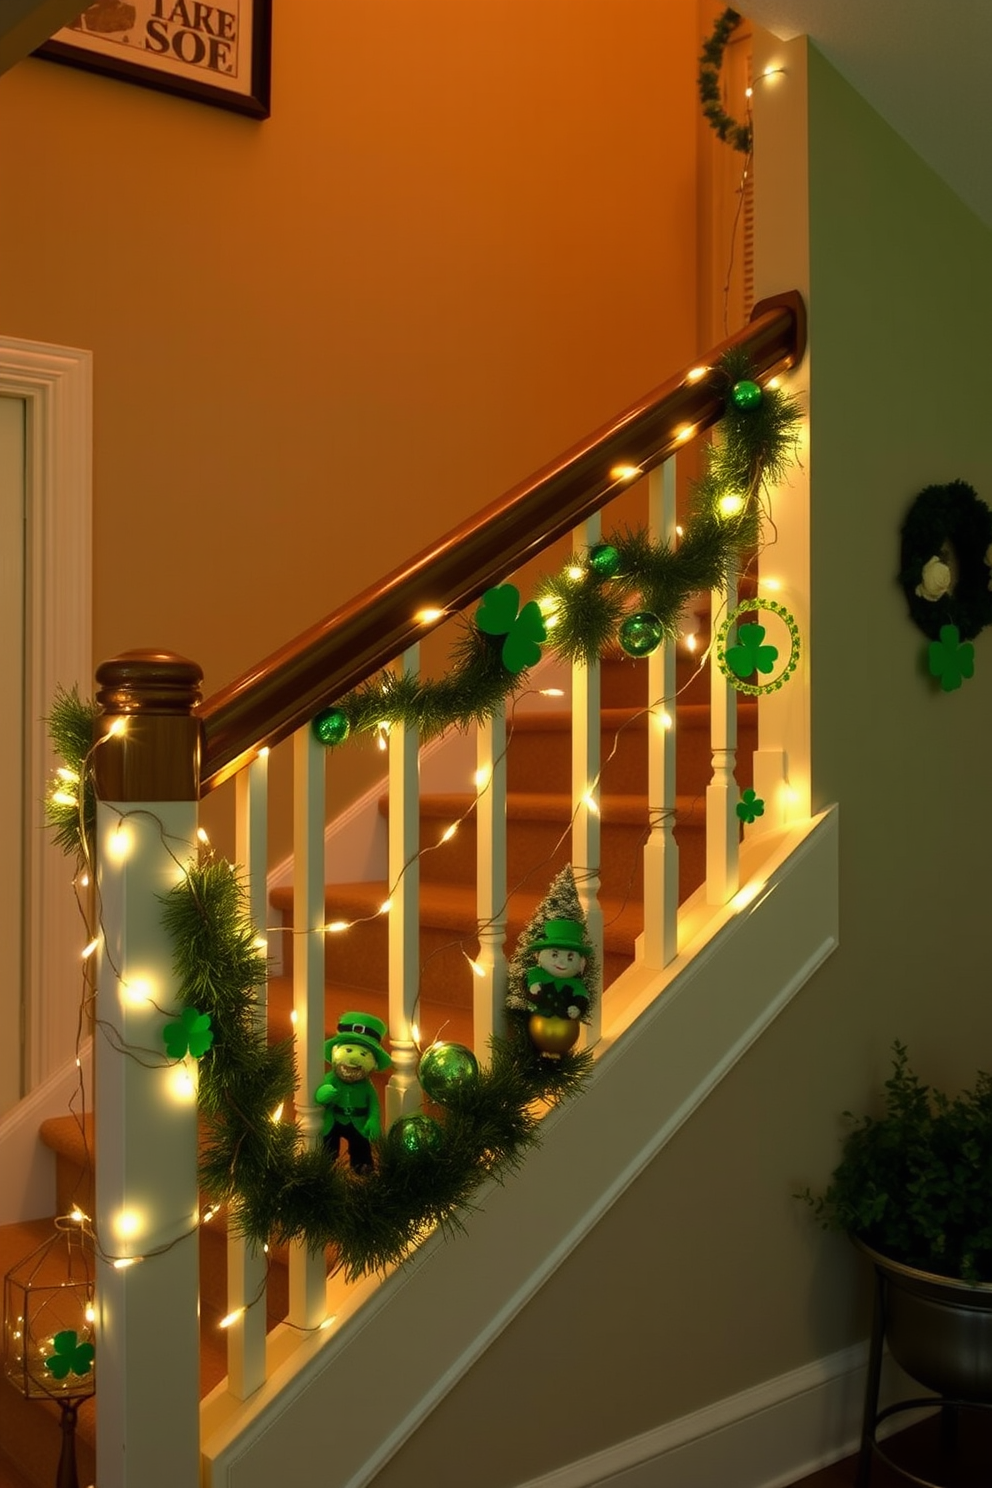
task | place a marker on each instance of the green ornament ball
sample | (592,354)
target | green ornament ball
(641,633)
(332,726)
(604,560)
(746,394)
(416,1133)
(444,1068)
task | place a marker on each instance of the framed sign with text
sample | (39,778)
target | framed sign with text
(218,54)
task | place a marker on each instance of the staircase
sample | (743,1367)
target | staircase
(666,1072)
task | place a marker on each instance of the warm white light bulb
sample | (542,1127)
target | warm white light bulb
(695,373)
(118,727)
(690,643)
(63,798)
(336,926)
(684,432)
(232,1317)
(428,616)
(449,832)
(589,801)
(89,949)
(385,906)
(625,472)
(731,505)
(575,573)
(552,692)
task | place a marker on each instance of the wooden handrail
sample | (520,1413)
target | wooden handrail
(285,691)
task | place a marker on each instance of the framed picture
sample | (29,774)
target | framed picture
(218,54)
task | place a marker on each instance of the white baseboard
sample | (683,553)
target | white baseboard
(765,1437)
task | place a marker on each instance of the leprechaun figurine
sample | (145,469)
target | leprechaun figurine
(350,1099)
(557,998)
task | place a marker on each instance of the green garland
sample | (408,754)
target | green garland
(584,613)
(278,1190)
(738,135)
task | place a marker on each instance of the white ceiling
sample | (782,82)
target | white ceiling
(925,65)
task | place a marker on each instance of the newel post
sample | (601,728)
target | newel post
(146,778)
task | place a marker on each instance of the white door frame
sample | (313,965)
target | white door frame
(56,383)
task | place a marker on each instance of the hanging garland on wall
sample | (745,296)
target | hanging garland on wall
(710,95)
(628,590)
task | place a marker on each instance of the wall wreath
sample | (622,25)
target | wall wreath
(945,558)
(710,63)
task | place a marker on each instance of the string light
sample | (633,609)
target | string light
(476,966)
(64,773)
(201,836)
(385,906)
(731,505)
(684,432)
(428,616)
(690,641)
(590,801)
(448,833)
(232,1317)
(328,1322)
(336,926)
(482,777)
(575,573)
(277,1113)
(382,733)
(552,692)
(122,1262)
(121,842)
(78,1217)
(625,472)
(89,949)
(117,728)
(63,798)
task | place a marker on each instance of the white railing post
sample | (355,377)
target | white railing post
(490,988)
(308,1273)
(145,769)
(586,765)
(246,1268)
(722,823)
(661,853)
(403,1087)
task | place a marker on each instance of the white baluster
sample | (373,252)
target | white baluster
(307,1273)
(246,1269)
(661,853)
(586,755)
(489,1003)
(403,1088)
(722,823)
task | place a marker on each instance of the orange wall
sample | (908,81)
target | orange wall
(464,238)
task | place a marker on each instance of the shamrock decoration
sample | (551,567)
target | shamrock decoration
(497,616)
(951,659)
(190,1035)
(750,806)
(70,1354)
(749,654)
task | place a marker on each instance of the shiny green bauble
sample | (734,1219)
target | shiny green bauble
(332,726)
(416,1133)
(604,560)
(641,633)
(746,394)
(445,1068)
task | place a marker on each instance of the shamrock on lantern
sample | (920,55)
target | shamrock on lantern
(951,659)
(750,806)
(191,1035)
(749,654)
(497,616)
(69,1354)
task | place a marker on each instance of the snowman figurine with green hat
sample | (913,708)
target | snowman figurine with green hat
(557,997)
(350,1100)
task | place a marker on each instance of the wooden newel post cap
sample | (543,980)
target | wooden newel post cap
(155,756)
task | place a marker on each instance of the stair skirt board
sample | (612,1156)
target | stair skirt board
(766,1437)
(686,1042)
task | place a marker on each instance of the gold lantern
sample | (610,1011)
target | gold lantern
(48,1329)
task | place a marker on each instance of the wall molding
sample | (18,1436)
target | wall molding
(56,383)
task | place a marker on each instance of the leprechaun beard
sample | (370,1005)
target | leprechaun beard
(350,1073)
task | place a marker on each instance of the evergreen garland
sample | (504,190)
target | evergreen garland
(583,614)
(277,1190)
(710,63)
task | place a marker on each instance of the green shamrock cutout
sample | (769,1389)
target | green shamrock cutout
(951,658)
(497,616)
(750,806)
(191,1035)
(749,654)
(70,1354)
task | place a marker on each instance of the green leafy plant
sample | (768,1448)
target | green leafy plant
(916,1182)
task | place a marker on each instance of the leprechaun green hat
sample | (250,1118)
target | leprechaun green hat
(564,935)
(364,1029)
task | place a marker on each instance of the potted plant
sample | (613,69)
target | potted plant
(913,1189)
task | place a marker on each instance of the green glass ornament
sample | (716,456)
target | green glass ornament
(332,726)
(445,1067)
(604,560)
(641,633)
(746,394)
(416,1133)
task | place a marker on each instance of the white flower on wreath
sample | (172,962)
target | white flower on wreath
(936,579)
